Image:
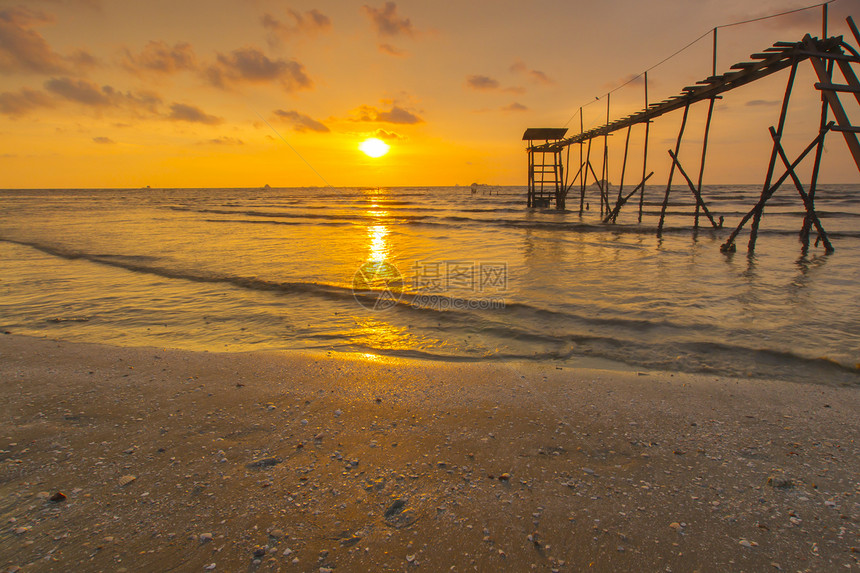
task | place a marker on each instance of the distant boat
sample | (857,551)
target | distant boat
(266,187)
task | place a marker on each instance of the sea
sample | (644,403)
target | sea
(440,273)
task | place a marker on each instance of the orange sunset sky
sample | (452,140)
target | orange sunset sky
(218,93)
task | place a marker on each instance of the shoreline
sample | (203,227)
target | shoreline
(298,461)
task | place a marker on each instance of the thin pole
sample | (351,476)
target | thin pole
(822,127)
(773,155)
(707,131)
(704,157)
(585,175)
(644,153)
(582,164)
(672,171)
(823,21)
(624,164)
(714,66)
(604,190)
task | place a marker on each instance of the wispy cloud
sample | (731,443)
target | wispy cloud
(22,49)
(94,4)
(191,114)
(103,140)
(301,122)
(390,50)
(515,107)
(486,84)
(387,22)
(250,65)
(224,141)
(536,76)
(161,58)
(396,114)
(482,83)
(87,93)
(311,22)
(23,101)
(387,135)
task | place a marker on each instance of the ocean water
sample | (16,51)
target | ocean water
(438,273)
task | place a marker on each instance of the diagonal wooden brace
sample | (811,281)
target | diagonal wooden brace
(696,194)
(807,201)
(729,246)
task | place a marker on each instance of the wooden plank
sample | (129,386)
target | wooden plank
(837,87)
(835,106)
(845,128)
(829,56)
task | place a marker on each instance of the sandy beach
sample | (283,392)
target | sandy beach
(145,459)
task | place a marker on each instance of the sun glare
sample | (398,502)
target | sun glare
(374,147)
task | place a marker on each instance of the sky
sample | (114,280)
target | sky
(244,93)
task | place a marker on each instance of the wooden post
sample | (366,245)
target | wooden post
(604,188)
(672,171)
(582,163)
(822,126)
(624,164)
(781,125)
(707,132)
(560,189)
(644,153)
(585,176)
(531,191)
(810,208)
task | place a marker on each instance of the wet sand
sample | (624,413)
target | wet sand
(143,459)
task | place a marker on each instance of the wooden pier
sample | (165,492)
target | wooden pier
(549,166)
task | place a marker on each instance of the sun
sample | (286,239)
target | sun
(373,147)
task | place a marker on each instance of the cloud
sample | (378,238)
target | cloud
(250,65)
(482,83)
(515,107)
(81,91)
(161,58)
(536,76)
(94,4)
(387,135)
(89,94)
(387,22)
(103,140)
(23,101)
(301,122)
(225,141)
(23,49)
(191,114)
(762,102)
(311,22)
(396,114)
(486,83)
(390,50)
